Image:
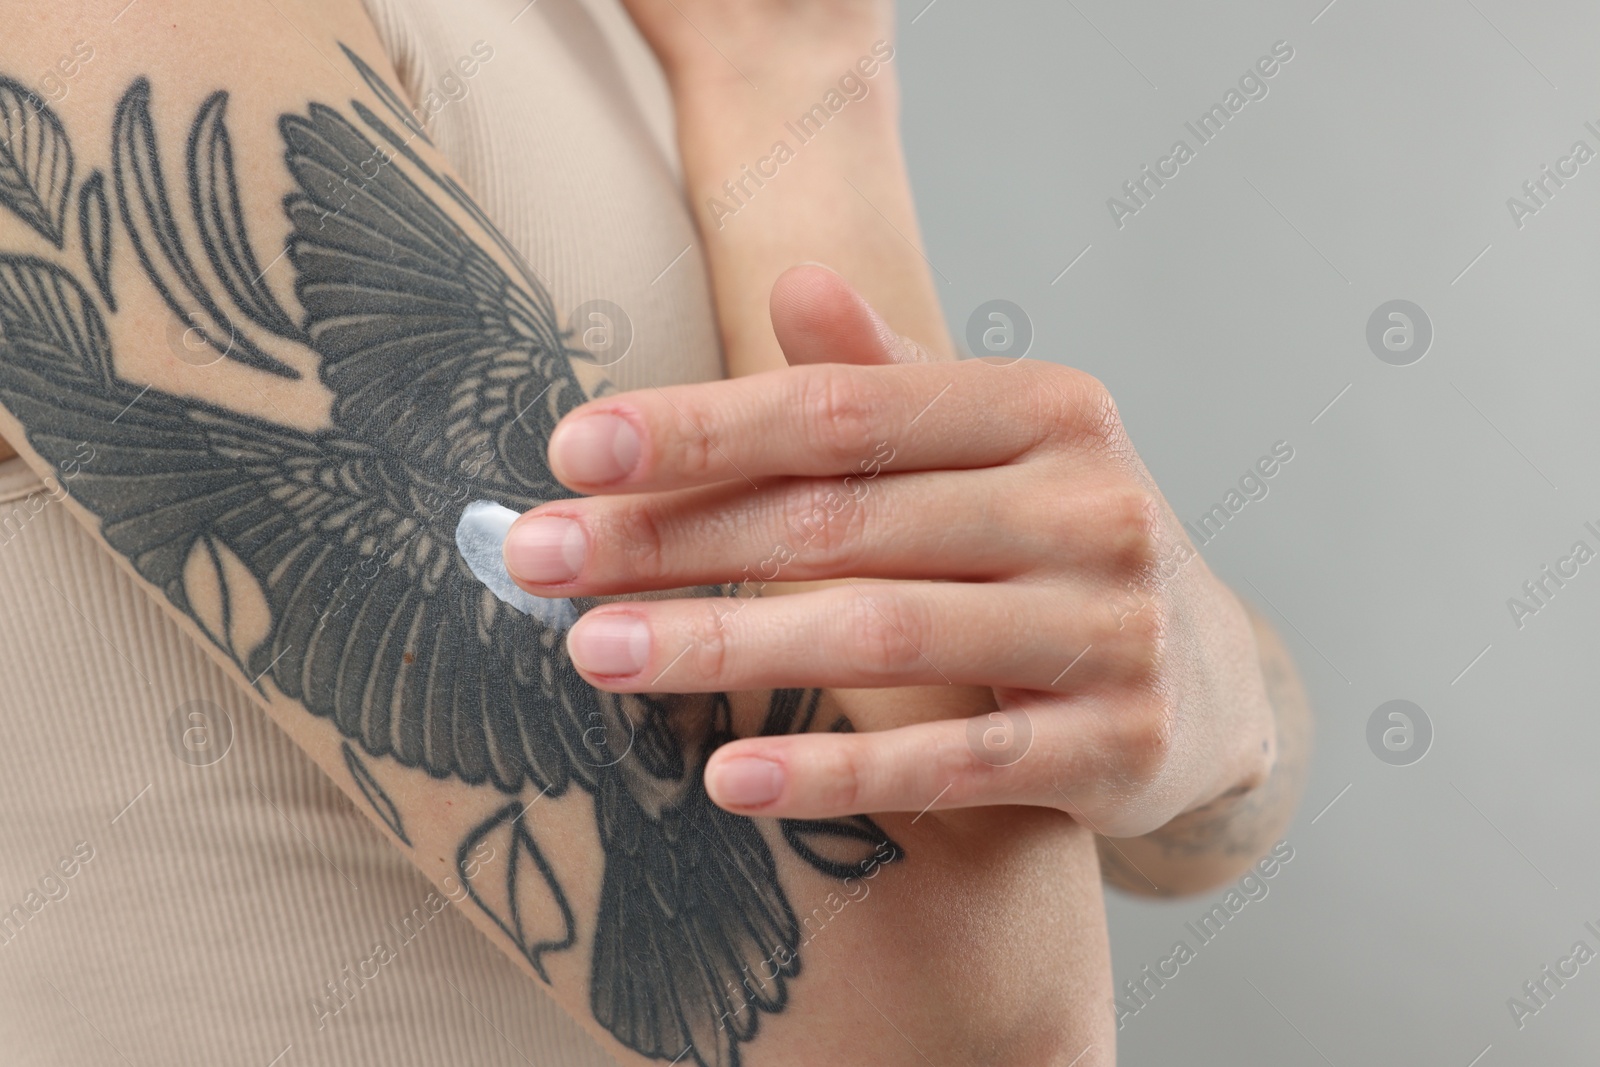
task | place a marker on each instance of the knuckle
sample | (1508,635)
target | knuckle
(1147,739)
(1134,531)
(884,634)
(1136,634)
(694,436)
(638,532)
(836,413)
(825,520)
(955,762)
(840,778)
(710,640)
(1079,408)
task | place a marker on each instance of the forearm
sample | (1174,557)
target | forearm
(1217,842)
(808,168)
(270,350)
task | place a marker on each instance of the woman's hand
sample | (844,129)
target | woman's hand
(1035,559)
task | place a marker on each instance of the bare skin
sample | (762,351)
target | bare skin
(840,197)
(997,923)
(1217,766)
(960,946)
(1224,746)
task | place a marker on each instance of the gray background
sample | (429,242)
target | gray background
(1225,316)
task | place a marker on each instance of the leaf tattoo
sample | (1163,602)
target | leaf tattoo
(94,230)
(35,161)
(376,795)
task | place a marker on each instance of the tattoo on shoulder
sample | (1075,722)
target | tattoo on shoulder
(448,369)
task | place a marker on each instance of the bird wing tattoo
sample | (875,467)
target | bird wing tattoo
(448,370)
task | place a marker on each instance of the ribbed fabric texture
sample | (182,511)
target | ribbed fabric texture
(218,900)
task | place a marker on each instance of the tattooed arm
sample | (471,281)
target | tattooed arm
(273,351)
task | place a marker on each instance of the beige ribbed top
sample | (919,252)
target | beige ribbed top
(207,907)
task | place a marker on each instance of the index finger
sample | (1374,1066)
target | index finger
(820,420)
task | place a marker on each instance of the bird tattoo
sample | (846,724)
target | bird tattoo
(448,370)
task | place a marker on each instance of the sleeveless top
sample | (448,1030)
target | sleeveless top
(163,908)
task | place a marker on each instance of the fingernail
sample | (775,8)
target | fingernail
(546,550)
(595,449)
(611,646)
(745,781)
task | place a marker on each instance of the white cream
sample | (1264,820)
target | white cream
(481,538)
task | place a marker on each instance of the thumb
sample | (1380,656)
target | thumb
(819,317)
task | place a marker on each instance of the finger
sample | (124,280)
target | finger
(822,420)
(866,635)
(955,525)
(819,317)
(933,766)
(1083,755)
(798,529)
